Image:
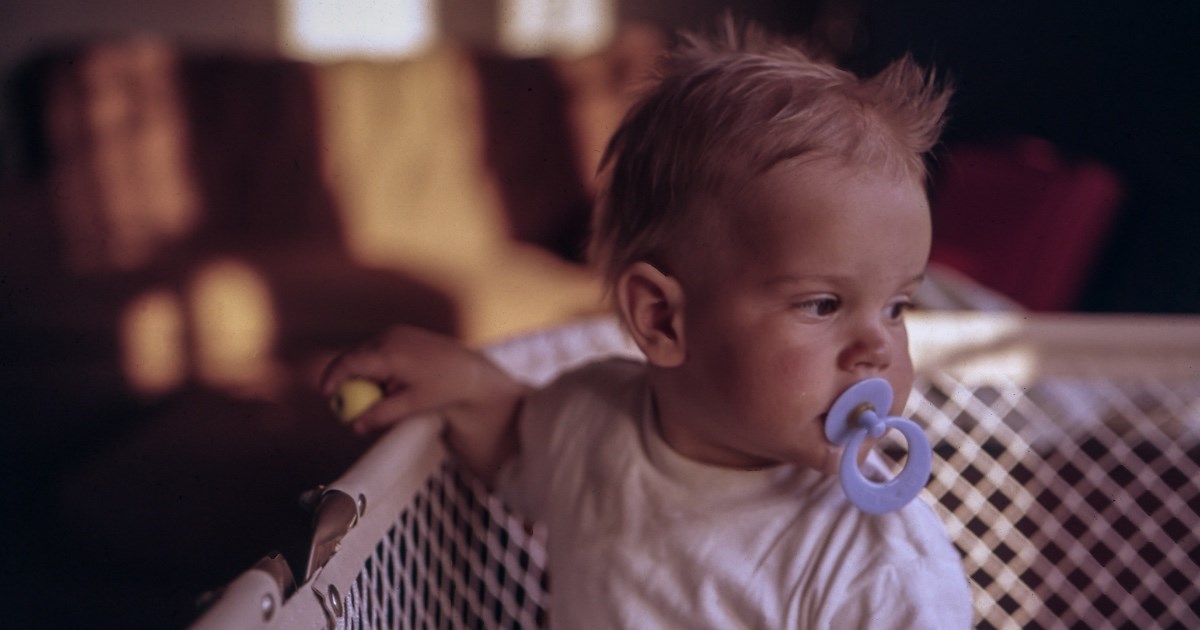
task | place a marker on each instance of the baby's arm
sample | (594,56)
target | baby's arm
(421,371)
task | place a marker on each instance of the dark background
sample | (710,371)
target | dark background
(1113,81)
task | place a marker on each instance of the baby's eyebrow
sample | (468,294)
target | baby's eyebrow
(919,278)
(783,281)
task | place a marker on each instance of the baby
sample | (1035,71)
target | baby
(763,230)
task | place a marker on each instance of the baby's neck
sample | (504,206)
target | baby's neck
(680,425)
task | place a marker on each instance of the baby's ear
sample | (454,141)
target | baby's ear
(651,304)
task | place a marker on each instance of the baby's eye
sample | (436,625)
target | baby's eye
(817,307)
(896,310)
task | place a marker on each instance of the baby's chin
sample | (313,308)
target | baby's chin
(831,460)
(831,456)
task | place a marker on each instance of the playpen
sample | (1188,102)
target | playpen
(1066,471)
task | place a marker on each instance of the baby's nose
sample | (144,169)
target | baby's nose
(868,352)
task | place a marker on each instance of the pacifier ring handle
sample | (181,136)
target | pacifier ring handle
(852,419)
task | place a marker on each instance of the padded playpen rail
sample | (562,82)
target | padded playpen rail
(1067,473)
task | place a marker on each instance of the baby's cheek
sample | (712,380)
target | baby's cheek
(900,393)
(789,364)
(901,380)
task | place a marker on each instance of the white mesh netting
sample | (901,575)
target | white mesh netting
(1075,503)
(454,559)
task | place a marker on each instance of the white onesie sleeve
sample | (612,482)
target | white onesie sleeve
(914,596)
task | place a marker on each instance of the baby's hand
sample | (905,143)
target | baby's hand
(416,371)
(419,371)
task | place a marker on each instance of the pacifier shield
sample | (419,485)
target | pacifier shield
(865,404)
(841,422)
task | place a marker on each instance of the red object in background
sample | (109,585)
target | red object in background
(1022,219)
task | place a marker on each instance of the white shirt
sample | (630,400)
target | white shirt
(642,537)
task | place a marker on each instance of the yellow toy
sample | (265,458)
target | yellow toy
(354,396)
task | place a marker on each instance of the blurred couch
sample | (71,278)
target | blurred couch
(195,233)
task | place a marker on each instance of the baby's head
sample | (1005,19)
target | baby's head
(729,109)
(763,228)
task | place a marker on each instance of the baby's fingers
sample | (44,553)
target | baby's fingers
(386,412)
(360,363)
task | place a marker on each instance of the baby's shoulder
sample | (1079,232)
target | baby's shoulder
(852,540)
(602,378)
(911,570)
(584,412)
(909,545)
(900,563)
(593,393)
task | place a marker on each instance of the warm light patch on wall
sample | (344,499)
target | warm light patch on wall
(326,29)
(315,29)
(234,325)
(543,27)
(154,357)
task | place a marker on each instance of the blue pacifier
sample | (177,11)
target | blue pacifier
(853,417)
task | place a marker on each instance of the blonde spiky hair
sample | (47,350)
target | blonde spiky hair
(726,109)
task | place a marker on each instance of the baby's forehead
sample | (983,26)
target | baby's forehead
(810,196)
(745,192)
